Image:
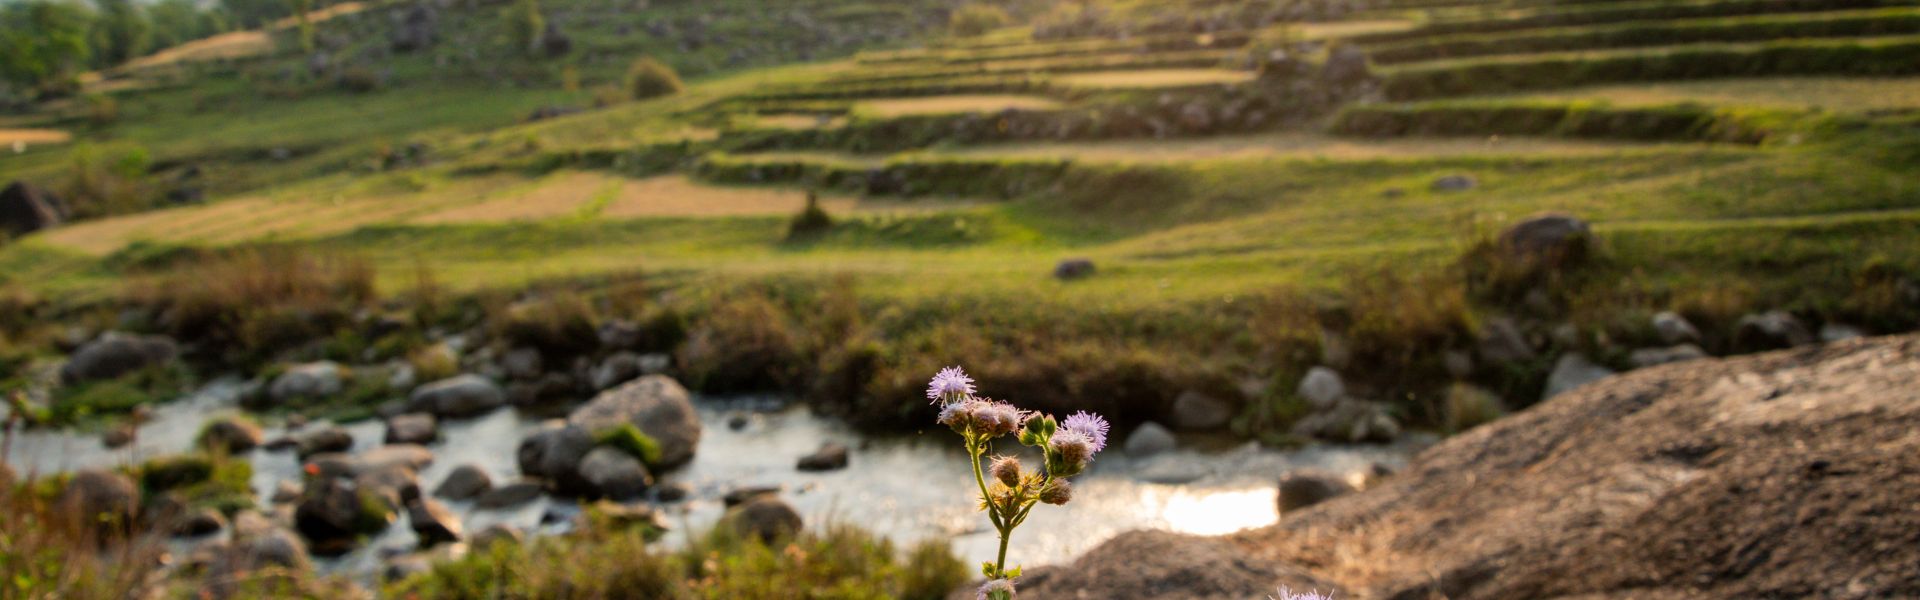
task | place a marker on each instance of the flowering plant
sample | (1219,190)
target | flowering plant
(1009,492)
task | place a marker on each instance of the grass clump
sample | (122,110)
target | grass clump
(559,323)
(977,19)
(746,343)
(256,302)
(648,78)
(82,402)
(842,562)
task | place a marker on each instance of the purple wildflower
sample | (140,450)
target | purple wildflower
(1091,425)
(1073,447)
(1287,593)
(949,385)
(962,414)
(998,589)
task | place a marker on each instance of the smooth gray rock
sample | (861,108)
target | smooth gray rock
(658,406)
(433,522)
(323,379)
(457,397)
(1195,411)
(1322,388)
(1150,439)
(465,482)
(1572,371)
(115,354)
(611,473)
(412,428)
(1675,329)
(831,456)
(1649,357)
(1772,330)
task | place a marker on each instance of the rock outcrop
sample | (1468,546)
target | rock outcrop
(658,406)
(1788,474)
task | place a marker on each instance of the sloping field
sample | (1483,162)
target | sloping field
(1152,78)
(937,105)
(1838,94)
(1296,145)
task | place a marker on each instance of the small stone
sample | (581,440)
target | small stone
(671,492)
(330,438)
(1322,388)
(765,517)
(1572,371)
(1772,330)
(510,495)
(498,533)
(1455,183)
(412,428)
(1196,411)
(831,456)
(1301,489)
(202,522)
(1837,332)
(285,491)
(307,381)
(1648,357)
(433,522)
(523,364)
(741,495)
(1675,329)
(231,434)
(118,436)
(464,483)
(1150,439)
(612,473)
(1073,268)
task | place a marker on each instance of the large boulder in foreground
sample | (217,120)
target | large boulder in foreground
(1160,564)
(116,354)
(1787,475)
(657,405)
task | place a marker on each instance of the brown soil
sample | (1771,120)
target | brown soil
(1793,474)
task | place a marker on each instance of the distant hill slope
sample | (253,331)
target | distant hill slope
(1785,475)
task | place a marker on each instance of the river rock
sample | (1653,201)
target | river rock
(285,492)
(1301,489)
(741,495)
(1649,357)
(323,379)
(1350,421)
(1675,329)
(523,364)
(115,354)
(232,435)
(831,456)
(658,406)
(412,428)
(95,496)
(1322,388)
(554,454)
(457,397)
(1572,371)
(1149,439)
(412,457)
(199,523)
(509,495)
(333,511)
(26,208)
(330,438)
(1173,469)
(1772,330)
(765,517)
(497,533)
(1469,406)
(401,567)
(620,335)
(433,522)
(1501,342)
(118,436)
(464,483)
(612,473)
(671,492)
(619,368)
(395,485)
(548,388)
(266,547)
(1196,411)
(611,517)
(1548,238)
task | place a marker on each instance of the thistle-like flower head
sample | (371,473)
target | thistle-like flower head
(1287,593)
(1074,448)
(950,385)
(999,418)
(998,589)
(1093,426)
(1006,470)
(1057,492)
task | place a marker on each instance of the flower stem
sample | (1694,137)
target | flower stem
(1000,562)
(973,455)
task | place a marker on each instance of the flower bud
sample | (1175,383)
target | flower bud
(1006,469)
(998,589)
(996,419)
(1057,492)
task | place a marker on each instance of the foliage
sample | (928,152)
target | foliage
(524,25)
(252,14)
(47,553)
(977,19)
(43,43)
(558,323)
(648,78)
(1683,122)
(121,32)
(811,221)
(83,401)
(252,302)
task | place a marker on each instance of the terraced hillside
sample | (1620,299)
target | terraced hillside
(1228,165)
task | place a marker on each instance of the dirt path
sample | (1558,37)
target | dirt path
(21,139)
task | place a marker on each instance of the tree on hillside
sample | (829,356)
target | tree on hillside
(121,32)
(177,22)
(43,43)
(251,14)
(525,25)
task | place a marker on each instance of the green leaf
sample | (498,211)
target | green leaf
(986,569)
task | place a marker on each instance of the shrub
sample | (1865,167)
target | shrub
(102,110)
(166,473)
(649,78)
(358,80)
(253,302)
(48,553)
(559,323)
(746,343)
(108,180)
(977,19)
(811,221)
(1684,122)
(524,25)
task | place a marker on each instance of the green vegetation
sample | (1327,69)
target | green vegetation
(841,562)
(648,78)
(629,439)
(977,19)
